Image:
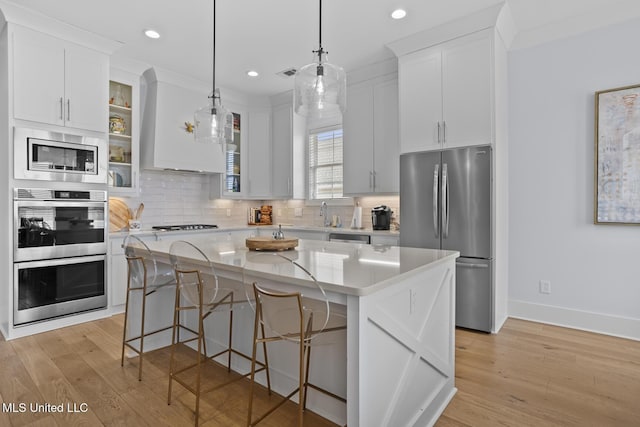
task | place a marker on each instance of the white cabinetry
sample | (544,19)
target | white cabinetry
(124,132)
(165,141)
(58,83)
(247,168)
(446,94)
(371,148)
(288,134)
(259,151)
(282,145)
(117,289)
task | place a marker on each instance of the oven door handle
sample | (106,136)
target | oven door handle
(58,204)
(60,261)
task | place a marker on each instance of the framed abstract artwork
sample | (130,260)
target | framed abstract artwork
(617,156)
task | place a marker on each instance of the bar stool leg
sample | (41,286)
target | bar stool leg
(301,384)
(173,342)
(199,362)
(126,317)
(144,304)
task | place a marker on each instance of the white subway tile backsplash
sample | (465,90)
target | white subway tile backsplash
(183,198)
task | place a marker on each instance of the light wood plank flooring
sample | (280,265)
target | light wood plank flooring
(532,374)
(527,375)
(81,364)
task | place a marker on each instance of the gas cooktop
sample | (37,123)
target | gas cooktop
(183,227)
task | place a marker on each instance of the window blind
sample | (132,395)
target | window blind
(325,164)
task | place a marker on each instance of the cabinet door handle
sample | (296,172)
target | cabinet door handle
(68,109)
(374,180)
(444,132)
(370,179)
(438,132)
(61,109)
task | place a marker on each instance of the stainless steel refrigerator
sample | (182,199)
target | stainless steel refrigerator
(445,203)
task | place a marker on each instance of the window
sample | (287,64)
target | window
(325,163)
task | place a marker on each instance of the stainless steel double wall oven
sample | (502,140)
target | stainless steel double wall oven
(59,252)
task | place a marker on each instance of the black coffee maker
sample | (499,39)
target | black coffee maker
(381,217)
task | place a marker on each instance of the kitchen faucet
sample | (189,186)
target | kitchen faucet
(324,213)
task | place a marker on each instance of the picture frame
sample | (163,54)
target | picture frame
(617,156)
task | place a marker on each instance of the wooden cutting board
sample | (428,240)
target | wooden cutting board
(119,215)
(266,243)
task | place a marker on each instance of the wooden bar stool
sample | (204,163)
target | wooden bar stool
(146,276)
(198,291)
(289,316)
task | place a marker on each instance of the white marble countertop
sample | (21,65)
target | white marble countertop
(344,268)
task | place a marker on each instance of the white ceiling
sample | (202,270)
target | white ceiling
(272,35)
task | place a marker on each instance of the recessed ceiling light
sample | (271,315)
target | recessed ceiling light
(252,73)
(152,34)
(398,14)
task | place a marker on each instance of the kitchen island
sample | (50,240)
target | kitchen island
(395,363)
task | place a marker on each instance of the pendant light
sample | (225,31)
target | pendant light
(320,87)
(213,122)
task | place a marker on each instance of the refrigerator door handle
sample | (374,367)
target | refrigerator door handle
(445,202)
(436,176)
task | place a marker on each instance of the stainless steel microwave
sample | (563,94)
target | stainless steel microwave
(55,156)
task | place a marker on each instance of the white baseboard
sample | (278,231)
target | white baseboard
(622,327)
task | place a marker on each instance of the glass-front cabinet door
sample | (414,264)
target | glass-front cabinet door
(123,132)
(233,167)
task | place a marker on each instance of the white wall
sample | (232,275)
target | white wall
(594,270)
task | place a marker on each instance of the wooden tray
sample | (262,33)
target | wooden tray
(119,215)
(266,243)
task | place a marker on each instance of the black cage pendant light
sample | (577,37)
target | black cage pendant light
(320,87)
(214,123)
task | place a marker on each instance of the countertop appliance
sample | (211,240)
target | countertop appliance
(381,217)
(183,227)
(445,200)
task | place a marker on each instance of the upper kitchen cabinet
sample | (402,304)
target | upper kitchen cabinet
(124,131)
(166,139)
(371,146)
(259,152)
(282,161)
(248,156)
(453,81)
(446,94)
(58,83)
(288,149)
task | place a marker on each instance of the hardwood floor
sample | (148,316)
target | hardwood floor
(532,374)
(529,374)
(81,365)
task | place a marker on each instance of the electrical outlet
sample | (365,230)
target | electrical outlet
(298,212)
(228,212)
(545,287)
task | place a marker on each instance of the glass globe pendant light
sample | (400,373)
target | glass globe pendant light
(320,87)
(213,122)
